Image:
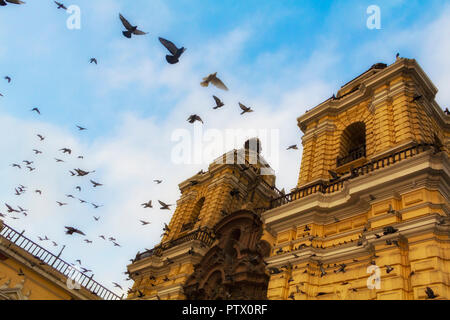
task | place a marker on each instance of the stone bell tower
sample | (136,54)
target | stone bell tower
(232,183)
(372,201)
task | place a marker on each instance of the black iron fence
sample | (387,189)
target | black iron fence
(353,155)
(56,263)
(204,235)
(330,187)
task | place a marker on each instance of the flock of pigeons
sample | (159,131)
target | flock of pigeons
(14,212)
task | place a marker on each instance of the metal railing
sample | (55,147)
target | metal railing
(330,187)
(56,263)
(204,235)
(353,155)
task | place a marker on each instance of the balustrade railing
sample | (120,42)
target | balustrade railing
(56,263)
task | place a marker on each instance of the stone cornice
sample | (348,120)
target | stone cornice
(400,67)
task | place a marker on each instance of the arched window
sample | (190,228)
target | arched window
(193,218)
(353,143)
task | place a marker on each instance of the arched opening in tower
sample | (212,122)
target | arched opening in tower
(352,144)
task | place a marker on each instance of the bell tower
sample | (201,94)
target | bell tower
(232,183)
(370,217)
(382,110)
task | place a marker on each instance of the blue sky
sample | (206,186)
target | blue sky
(280,57)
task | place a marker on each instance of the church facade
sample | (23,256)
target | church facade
(369,218)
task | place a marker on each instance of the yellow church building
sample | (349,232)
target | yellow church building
(369,218)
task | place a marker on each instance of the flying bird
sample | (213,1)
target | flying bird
(96,219)
(147,205)
(7,78)
(244,109)
(173,49)
(36,151)
(293,147)
(117,286)
(71,230)
(130,29)
(164,206)
(157,181)
(36,110)
(144,223)
(96,206)
(61,203)
(212,78)
(10,209)
(81,128)
(194,118)
(60,5)
(93,60)
(41,137)
(82,173)
(66,150)
(219,103)
(96,184)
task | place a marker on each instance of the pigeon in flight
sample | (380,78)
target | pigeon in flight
(7,78)
(117,286)
(93,60)
(219,103)
(60,5)
(176,52)
(147,205)
(164,206)
(144,223)
(194,118)
(81,128)
(130,29)
(96,184)
(96,218)
(41,137)
(244,109)
(71,230)
(212,78)
(96,206)
(10,209)
(66,150)
(82,173)
(293,147)
(36,151)
(61,203)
